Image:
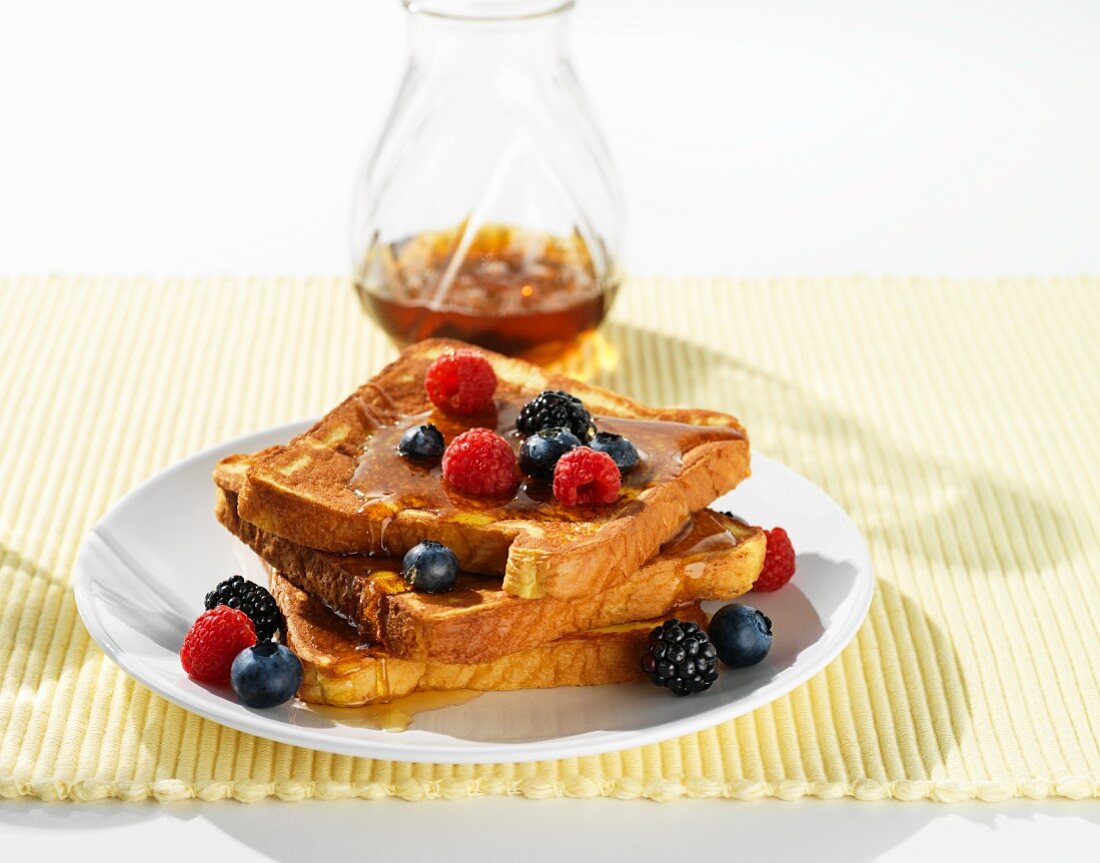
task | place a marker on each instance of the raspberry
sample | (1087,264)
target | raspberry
(583,476)
(461,382)
(214,641)
(778,561)
(480,461)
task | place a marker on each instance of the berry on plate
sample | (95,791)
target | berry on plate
(480,461)
(266,675)
(430,567)
(461,382)
(779,561)
(213,642)
(421,443)
(556,409)
(681,657)
(583,476)
(540,452)
(741,634)
(251,598)
(619,448)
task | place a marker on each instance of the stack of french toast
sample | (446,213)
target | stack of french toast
(558,582)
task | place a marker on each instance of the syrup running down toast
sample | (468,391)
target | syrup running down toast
(714,556)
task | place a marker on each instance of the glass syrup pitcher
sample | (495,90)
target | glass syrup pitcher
(489,210)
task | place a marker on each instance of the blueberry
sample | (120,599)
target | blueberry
(265,674)
(540,452)
(430,567)
(622,451)
(422,443)
(741,634)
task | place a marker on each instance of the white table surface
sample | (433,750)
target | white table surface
(221,136)
(554,831)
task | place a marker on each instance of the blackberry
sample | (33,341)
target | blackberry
(556,409)
(681,657)
(251,598)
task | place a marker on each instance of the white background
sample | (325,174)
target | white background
(775,137)
(768,137)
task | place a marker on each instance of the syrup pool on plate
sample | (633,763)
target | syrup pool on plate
(396,715)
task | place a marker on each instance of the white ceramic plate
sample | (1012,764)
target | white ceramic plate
(143,571)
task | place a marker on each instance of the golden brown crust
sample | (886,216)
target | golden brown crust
(479,622)
(303,492)
(339,672)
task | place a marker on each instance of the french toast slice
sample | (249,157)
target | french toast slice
(341,487)
(339,671)
(713,557)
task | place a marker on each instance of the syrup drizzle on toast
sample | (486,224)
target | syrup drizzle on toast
(383,480)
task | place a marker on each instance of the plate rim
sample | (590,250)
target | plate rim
(388,746)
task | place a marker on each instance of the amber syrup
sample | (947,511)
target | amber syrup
(514,291)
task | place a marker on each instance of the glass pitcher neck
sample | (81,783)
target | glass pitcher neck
(500,33)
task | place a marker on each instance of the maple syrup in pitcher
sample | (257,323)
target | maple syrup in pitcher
(489,209)
(510,290)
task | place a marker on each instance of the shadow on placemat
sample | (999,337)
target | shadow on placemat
(867,467)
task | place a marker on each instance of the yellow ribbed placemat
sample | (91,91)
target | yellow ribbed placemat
(955,420)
